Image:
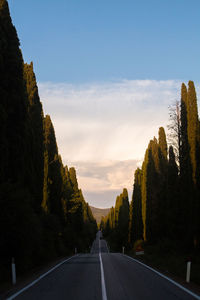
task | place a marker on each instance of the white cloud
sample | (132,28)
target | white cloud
(100,179)
(104,128)
(107,175)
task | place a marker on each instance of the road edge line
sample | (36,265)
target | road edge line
(39,278)
(165,277)
(103,285)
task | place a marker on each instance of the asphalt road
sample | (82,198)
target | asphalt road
(103,276)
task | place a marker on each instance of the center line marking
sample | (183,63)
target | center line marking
(103,286)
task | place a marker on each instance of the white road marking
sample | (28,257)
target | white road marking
(99,246)
(38,279)
(103,286)
(169,279)
(107,246)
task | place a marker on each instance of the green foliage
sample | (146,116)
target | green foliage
(165,205)
(184,149)
(192,126)
(115,224)
(162,142)
(135,218)
(73,179)
(43,213)
(13,106)
(169,196)
(80,221)
(154,188)
(173,215)
(35,133)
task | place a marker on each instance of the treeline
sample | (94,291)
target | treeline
(115,224)
(165,204)
(43,213)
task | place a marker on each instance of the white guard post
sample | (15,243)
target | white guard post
(188,271)
(13,271)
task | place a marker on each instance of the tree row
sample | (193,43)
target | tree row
(43,213)
(165,203)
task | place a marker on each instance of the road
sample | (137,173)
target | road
(100,275)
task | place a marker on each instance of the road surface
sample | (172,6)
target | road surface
(101,275)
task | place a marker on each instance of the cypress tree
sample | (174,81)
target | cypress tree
(73,179)
(13,106)
(184,149)
(117,205)
(36,144)
(81,225)
(154,172)
(123,219)
(135,222)
(192,127)
(186,180)
(193,133)
(152,225)
(112,218)
(32,174)
(144,192)
(17,198)
(162,142)
(162,182)
(150,191)
(53,187)
(173,212)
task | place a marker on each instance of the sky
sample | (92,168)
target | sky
(107,71)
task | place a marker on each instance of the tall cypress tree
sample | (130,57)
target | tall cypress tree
(162,142)
(162,181)
(122,219)
(154,171)
(18,218)
(13,106)
(184,149)
(31,174)
(117,205)
(186,178)
(192,127)
(73,180)
(53,187)
(150,191)
(135,220)
(112,218)
(173,213)
(36,144)
(193,133)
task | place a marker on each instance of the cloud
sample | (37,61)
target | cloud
(107,175)
(100,180)
(107,120)
(104,199)
(103,129)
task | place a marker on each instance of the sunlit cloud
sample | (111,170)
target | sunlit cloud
(101,179)
(103,129)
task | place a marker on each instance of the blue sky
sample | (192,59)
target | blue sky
(107,72)
(84,41)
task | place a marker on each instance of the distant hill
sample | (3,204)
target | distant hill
(99,212)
